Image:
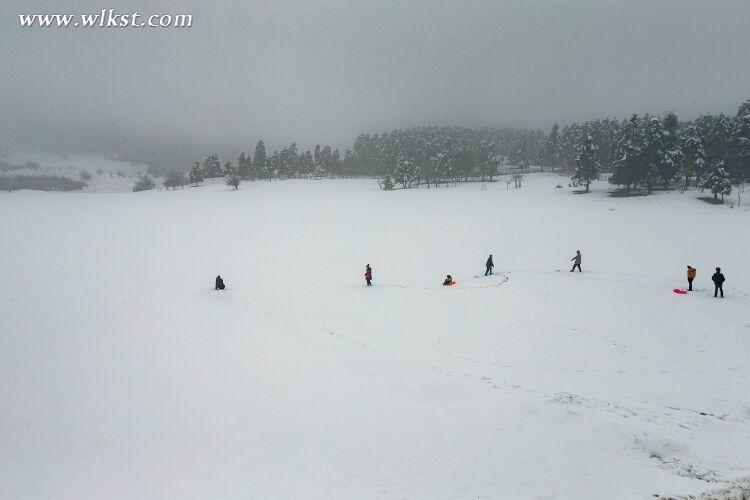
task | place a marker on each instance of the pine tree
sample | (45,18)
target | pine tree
(307,164)
(739,149)
(654,152)
(694,157)
(551,147)
(228,169)
(671,162)
(212,167)
(259,161)
(196,174)
(587,162)
(627,166)
(243,166)
(718,181)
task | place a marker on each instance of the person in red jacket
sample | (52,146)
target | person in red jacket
(368,275)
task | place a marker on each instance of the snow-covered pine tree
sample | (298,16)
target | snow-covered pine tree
(273,164)
(587,162)
(715,133)
(259,161)
(551,148)
(739,148)
(654,152)
(212,167)
(627,166)
(717,181)
(693,155)
(228,169)
(243,166)
(670,165)
(348,165)
(307,165)
(196,174)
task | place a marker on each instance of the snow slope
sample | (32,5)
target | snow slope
(126,376)
(107,175)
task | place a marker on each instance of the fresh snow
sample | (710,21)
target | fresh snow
(125,375)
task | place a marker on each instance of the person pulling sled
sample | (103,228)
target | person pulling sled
(576,261)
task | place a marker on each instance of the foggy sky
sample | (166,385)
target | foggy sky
(324,71)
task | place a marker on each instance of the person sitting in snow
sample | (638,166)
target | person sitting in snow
(690,276)
(368,275)
(219,283)
(489,264)
(448,280)
(577,262)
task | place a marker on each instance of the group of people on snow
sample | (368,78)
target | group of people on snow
(717,277)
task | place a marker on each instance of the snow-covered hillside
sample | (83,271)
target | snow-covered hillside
(125,375)
(102,175)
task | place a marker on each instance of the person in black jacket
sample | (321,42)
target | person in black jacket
(718,280)
(219,283)
(489,266)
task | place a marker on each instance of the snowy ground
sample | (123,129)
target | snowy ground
(126,376)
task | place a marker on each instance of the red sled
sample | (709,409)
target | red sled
(681,292)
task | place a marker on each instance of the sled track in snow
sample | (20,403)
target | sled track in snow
(468,284)
(648,411)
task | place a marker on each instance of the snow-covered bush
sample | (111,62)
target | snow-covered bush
(718,182)
(144,183)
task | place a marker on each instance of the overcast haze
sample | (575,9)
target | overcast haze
(322,72)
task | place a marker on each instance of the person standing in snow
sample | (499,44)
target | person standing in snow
(489,264)
(690,276)
(219,283)
(368,275)
(718,280)
(448,280)
(577,262)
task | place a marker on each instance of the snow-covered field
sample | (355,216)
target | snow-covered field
(124,375)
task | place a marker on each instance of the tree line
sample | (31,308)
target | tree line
(643,152)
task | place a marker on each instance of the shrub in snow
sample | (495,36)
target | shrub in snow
(145,183)
(387,183)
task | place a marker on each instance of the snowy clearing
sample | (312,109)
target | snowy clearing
(126,376)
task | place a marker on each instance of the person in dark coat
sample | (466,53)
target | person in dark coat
(219,283)
(368,275)
(690,277)
(489,264)
(718,280)
(577,262)
(448,280)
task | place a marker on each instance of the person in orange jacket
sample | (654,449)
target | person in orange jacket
(368,275)
(690,276)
